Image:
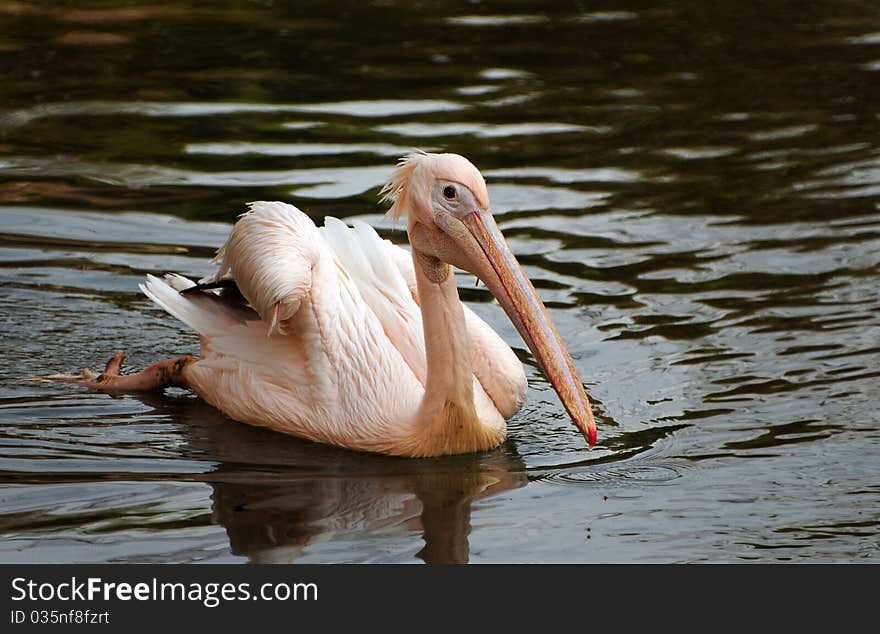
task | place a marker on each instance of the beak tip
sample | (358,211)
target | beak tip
(592,435)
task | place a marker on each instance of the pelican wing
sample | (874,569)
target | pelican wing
(270,254)
(367,262)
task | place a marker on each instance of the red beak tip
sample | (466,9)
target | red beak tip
(592,436)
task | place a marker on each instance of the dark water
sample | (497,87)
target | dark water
(694,188)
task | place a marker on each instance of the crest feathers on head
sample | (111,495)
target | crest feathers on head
(394,190)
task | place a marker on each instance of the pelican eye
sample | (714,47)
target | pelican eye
(449,192)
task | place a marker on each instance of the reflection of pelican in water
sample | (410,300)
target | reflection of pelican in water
(335,335)
(275,495)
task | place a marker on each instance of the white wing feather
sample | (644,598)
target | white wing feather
(270,254)
(368,262)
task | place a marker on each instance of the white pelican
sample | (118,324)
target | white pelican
(336,335)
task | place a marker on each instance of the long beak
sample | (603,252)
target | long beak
(496,266)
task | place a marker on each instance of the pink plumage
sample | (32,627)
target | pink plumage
(336,335)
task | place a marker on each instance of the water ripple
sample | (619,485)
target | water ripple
(369,109)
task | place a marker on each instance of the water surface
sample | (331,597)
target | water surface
(694,190)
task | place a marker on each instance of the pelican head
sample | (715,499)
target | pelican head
(447,206)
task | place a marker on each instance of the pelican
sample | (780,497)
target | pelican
(338,336)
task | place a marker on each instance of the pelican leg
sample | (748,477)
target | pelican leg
(166,373)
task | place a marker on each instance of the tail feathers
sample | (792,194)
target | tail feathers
(205,314)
